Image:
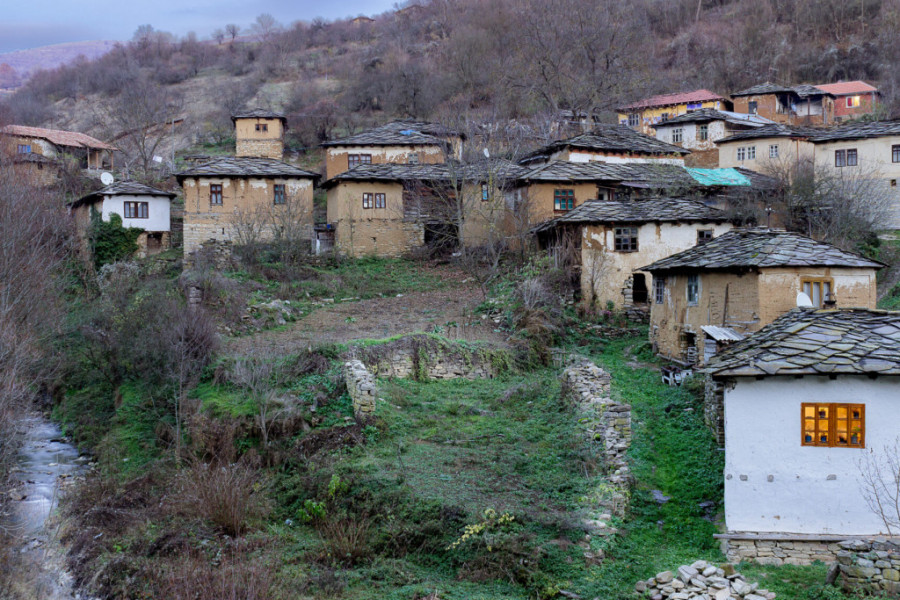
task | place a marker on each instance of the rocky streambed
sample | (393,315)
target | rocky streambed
(47,464)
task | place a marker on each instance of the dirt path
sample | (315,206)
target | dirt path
(379,318)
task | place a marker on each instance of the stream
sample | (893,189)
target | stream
(46,464)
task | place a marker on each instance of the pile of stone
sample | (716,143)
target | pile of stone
(701,581)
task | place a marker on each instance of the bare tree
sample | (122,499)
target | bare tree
(255,374)
(219,36)
(880,472)
(265,27)
(232,30)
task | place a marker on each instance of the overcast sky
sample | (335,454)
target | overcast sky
(28,25)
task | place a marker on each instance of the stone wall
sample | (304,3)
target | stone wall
(701,581)
(361,387)
(606,423)
(259,148)
(714,409)
(784,550)
(871,566)
(425,357)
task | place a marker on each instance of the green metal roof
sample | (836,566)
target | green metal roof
(728,176)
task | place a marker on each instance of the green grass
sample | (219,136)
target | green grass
(223,401)
(795,583)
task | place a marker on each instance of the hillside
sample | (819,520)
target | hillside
(23,63)
(468,61)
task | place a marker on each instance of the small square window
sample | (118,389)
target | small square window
(354,160)
(818,290)
(563,200)
(704,235)
(626,239)
(412,158)
(262,126)
(845,158)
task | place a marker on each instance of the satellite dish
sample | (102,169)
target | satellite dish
(486,153)
(106,178)
(803,301)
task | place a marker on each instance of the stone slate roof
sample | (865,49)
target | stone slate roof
(705,115)
(71,139)
(502,170)
(851,131)
(561,170)
(645,210)
(807,341)
(122,188)
(762,88)
(672,99)
(239,167)
(760,248)
(610,138)
(258,113)
(399,133)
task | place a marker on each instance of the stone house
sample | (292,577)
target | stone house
(744,280)
(699,130)
(607,143)
(139,205)
(397,142)
(53,144)
(798,105)
(550,190)
(613,239)
(863,155)
(803,404)
(242,199)
(643,115)
(259,133)
(391,209)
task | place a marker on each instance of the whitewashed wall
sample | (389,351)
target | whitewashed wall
(773,484)
(157,211)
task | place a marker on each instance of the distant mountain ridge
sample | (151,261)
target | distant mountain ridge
(25,62)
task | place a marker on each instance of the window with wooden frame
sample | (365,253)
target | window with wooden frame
(23,149)
(818,290)
(380,201)
(845,158)
(634,119)
(354,160)
(703,132)
(852,101)
(704,235)
(693,290)
(280,197)
(626,239)
(215,194)
(895,153)
(137,210)
(833,425)
(659,290)
(677,135)
(262,126)
(563,200)
(773,150)
(368,200)
(412,158)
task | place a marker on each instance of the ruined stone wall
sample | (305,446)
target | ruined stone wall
(607,424)
(425,357)
(361,387)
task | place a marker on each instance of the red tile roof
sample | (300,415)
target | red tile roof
(71,139)
(843,88)
(670,99)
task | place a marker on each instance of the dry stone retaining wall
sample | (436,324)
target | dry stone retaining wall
(871,566)
(605,422)
(780,551)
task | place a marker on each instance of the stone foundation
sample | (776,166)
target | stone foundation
(714,409)
(871,566)
(605,422)
(785,550)
(361,387)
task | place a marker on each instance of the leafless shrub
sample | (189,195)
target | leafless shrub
(346,539)
(880,471)
(239,576)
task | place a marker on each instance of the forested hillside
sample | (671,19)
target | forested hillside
(487,61)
